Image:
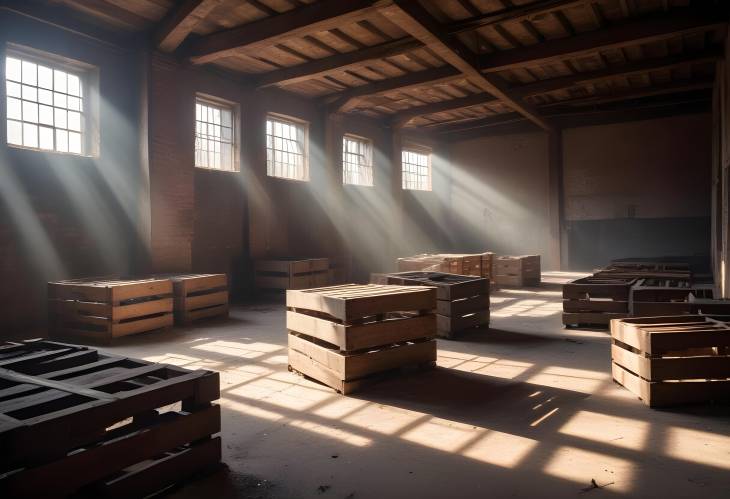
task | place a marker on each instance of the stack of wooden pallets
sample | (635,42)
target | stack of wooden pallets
(517,270)
(199,296)
(74,420)
(347,336)
(672,360)
(291,273)
(472,264)
(462,301)
(101,309)
(596,300)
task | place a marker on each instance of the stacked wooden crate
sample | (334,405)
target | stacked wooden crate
(78,421)
(291,273)
(660,297)
(347,336)
(102,309)
(462,301)
(473,264)
(517,270)
(672,360)
(339,270)
(198,296)
(596,300)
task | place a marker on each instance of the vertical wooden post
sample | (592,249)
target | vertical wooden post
(555,211)
(397,231)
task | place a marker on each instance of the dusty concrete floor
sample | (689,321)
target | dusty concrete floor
(525,409)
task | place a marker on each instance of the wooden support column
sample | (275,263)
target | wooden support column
(558,246)
(397,230)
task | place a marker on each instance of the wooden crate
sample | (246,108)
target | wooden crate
(101,309)
(517,270)
(644,265)
(462,301)
(595,301)
(291,273)
(76,420)
(657,297)
(199,296)
(347,336)
(339,271)
(450,263)
(672,360)
(487,267)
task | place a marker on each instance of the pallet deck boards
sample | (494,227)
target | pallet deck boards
(471,264)
(291,273)
(672,360)
(60,412)
(198,296)
(462,301)
(517,271)
(349,335)
(105,308)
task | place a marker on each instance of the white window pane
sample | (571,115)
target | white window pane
(45,138)
(45,115)
(14,109)
(12,69)
(30,93)
(74,142)
(30,73)
(62,140)
(45,97)
(45,77)
(30,112)
(13,89)
(60,118)
(30,135)
(74,85)
(226,118)
(59,100)
(74,121)
(269,126)
(59,81)
(227,134)
(74,103)
(15,133)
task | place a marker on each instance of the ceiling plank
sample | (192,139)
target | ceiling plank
(640,30)
(413,18)
(402,118)
(181,21)
(319,67)
(320,16)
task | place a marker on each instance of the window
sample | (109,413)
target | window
(215,146)
(416,167)
(286,148)
(47,106)
(357,161)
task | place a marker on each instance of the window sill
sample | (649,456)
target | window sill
(49,152)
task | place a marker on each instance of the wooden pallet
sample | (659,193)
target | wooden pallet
(471,264)
(344,336)
(291,273)
(198,296)
(657,297)
(595,301)
(517,270)
(102,309)
(672,360)
(462,301)
(76,420)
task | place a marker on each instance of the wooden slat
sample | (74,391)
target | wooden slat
(181,21)
(402,118)
(320,16)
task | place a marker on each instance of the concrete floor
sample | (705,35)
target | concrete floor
(525,409)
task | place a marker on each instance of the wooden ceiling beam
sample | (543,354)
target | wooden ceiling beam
(402,118)
(635,31)
(320,16)
(320,67)
(631,68)
(181,21)
(413,18)
(348,99)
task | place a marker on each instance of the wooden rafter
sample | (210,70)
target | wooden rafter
(416,20)
(320,16)
(403,117)
(181,21)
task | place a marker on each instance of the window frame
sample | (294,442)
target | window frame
(297,122)
(217,102)
(369,156)
(88,76)
(423,150)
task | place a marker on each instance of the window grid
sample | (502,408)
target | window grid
(45,107)
(416,168)
(214,143)
(357,161)
(286,149)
